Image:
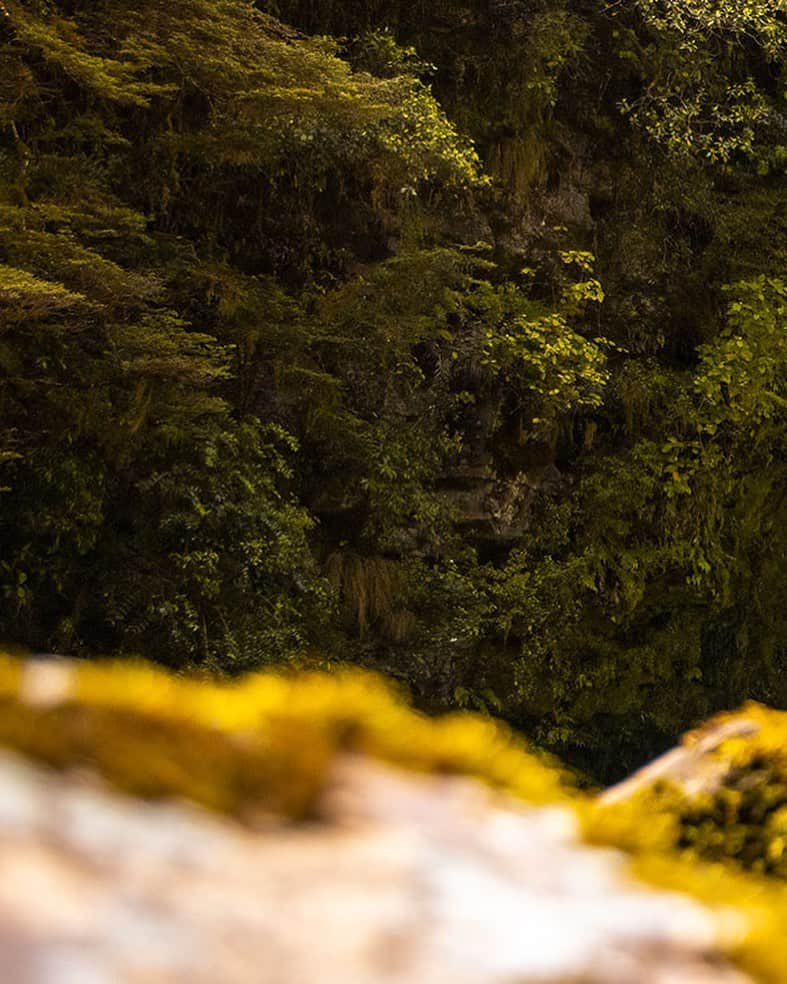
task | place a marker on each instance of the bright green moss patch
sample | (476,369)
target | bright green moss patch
(265,744)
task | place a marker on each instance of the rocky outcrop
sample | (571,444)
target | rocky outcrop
(722,793)
(696,767)
(406,879)
(496,509)
(292,829)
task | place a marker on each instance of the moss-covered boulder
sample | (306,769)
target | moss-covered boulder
(722,793)
(303,827)
(261,746)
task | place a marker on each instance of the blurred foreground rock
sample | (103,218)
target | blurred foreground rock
(698,766)
(723,795)
(407,879)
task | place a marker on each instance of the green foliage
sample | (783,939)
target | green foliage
(406,352)
(224,534)
(743,382)
(705,98)
(145,505)
(378,53)
(283,368)
(541,356)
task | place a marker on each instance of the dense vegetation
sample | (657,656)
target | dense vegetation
(447,338)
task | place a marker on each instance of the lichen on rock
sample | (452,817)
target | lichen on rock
(723,791)
(433,848)
(710,818)
(264,744)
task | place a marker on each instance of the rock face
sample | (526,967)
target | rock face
(722,791)
(406,879)
(696,766)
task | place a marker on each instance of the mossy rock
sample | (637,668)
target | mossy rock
(722,792)
(710,818)
(264,745)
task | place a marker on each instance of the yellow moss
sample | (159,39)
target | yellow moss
(740,818)
(756,909)
(725,846)
(265,743)
(265,746)
(752,908)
